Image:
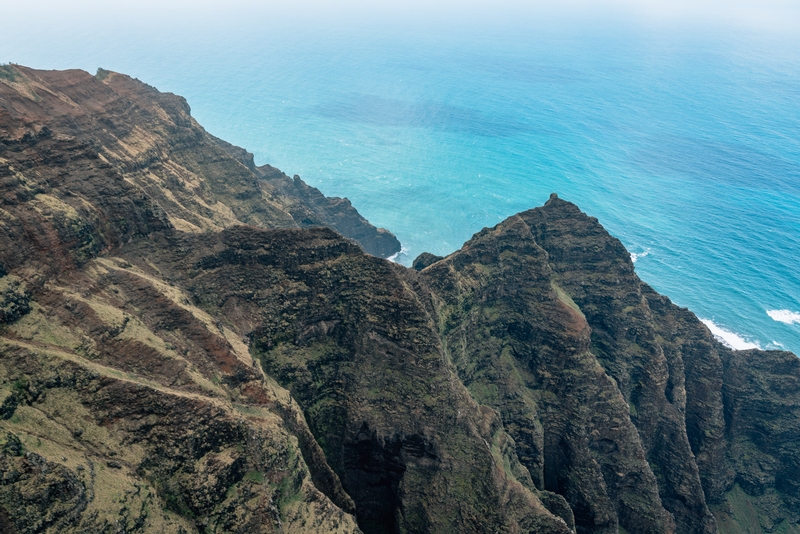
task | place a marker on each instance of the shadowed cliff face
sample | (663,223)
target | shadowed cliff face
(348,336)
(523,346)
(528,303)
(187,345)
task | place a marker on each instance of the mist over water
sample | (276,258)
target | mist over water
(679,129)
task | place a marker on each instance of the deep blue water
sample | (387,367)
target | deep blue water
(683,141)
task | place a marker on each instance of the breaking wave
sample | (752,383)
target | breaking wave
(728,338)
(636,255)
(393,258)
(785,316)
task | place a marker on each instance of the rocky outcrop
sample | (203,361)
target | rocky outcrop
(191,343)
(424,260)
(502,296)
(90,161)
(523,346)
(309,207)
(95,450)
(350,340)
(761,393)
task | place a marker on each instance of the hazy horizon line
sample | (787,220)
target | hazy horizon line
(764,14)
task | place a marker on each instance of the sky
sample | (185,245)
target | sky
(84,33)
(763,14)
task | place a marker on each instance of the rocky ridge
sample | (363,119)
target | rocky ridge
(189,344)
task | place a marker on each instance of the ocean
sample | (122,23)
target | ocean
(683,140)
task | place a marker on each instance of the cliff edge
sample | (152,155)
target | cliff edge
(191,343)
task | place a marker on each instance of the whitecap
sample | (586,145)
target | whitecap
(636,255)
(729,339)
(402,252)
(785,316)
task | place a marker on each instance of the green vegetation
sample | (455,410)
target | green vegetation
(176,503)
(483,393)
(566,299)
(14,300)
(255,476)
(9,73)
(442,393)
(11,444)
(739,514)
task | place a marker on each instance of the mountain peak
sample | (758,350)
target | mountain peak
(192,343)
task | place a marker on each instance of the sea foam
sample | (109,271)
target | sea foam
(395,257)
(728,338)
(785,316)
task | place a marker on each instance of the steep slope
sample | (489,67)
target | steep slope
(310,207)
(546,296)
(187,345)
(742,420)
(90,161)
(347,335)
(107,182)
(523,346)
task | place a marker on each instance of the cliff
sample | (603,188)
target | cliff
(191,343)
(91,161)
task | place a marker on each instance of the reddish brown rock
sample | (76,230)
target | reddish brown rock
(187,345)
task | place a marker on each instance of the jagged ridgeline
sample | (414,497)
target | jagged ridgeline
(191,343)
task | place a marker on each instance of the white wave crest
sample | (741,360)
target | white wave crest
(636,255)
(402,252)
(785,316)
(728,338)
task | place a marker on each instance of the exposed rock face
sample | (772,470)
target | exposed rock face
(425,259)
(187,345)
(309,207)
(90,161)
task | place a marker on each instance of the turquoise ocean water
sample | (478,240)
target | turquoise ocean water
(683,140)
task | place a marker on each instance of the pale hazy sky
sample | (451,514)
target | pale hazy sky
(761,13)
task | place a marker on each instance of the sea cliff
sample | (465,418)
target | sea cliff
(192,343)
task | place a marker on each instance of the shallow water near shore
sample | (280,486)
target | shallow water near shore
(685,144)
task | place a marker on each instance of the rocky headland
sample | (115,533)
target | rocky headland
(191,343)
